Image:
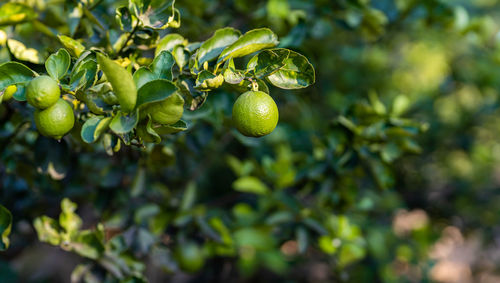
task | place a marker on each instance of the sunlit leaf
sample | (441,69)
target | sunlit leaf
(57,64)
(12,13)
(296,73)
(5,227)
(249,43)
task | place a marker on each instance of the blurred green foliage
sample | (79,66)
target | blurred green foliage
(394,143)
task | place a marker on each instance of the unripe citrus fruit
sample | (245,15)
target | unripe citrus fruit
(42,92)
(55,121)
(255,114)
(166,112)
(9,92)
(190,257)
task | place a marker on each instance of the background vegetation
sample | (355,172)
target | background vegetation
(385,170)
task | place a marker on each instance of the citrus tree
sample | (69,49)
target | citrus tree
(144,137)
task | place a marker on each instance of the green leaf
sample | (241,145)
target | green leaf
(121,81)
(231,75)
(162,65)
(47,230)
(267,62)
(147,133)
(14,13)
(57,64)
(250,184)
(87,244)
(212,47)
(249,43)
(169,42)
(181,56)
(296,73)
(87,62)
(207,81)
(14,73)
(122,124)
(5,227)
(179,126)
(142,76)
(153,14)
(99,98)
(126,20)
(68,219)
(155,91)
(93,128)
(74,47)
(21,52)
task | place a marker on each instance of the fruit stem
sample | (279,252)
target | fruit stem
(255,85)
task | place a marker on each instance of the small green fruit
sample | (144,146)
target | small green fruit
(42,92)
(55,121)
(255,114)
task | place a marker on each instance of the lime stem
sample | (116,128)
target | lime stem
(255,85)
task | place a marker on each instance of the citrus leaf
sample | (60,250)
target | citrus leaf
(147,133)
(68,219)
(47,230)
(122,124)
(296,73)
(267,62)
(249,184)
(87,244)
(125,19)
(162,65)
(21,52)
(57,64)
(152,14)
(74,47)
(87,61)
(213,46)
(231,75)
(14,73)
(168,42)
(171,129)
(207,81)
(121,81)
(181,56)
(249,43)
(155,91)
(142,76)
(5,227)
(14,13)
(93,128)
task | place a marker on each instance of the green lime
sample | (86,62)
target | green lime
(9,92)
(190,257)
(55,121)
(42,92)
(255,114)
(166,112)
